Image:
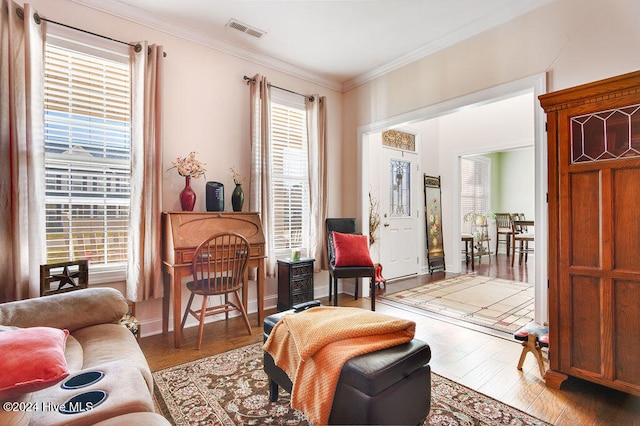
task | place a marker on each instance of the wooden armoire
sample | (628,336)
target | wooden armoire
(594,232)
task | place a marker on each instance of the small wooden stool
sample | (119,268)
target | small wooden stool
(534,336)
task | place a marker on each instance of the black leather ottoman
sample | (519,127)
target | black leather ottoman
(390,386)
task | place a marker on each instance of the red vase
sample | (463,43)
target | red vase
(187,196)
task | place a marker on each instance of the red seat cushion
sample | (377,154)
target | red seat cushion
(351,250)
(32,359)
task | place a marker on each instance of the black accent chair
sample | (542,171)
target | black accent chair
(346,226)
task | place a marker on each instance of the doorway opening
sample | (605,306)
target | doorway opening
(397,195)
(495,188)
(496,192)
(445,140)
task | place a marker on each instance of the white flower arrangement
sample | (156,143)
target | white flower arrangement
(189,166)
(238,179)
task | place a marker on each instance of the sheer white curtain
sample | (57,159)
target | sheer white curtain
(260,176)
(144,267)
(316,136)
(22,218)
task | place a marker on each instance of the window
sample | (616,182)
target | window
(474,188)
(290,177)
(400,184)
(87,153)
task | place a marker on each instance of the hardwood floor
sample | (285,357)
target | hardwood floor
(481,361)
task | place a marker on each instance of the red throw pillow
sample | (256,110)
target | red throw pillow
(32,359)
(351,250)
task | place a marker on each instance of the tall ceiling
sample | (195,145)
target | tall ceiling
(338,44)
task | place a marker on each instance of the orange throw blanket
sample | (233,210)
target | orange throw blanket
(312,346)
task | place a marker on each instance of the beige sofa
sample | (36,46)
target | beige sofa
(96,342)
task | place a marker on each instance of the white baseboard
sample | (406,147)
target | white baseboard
(154,326)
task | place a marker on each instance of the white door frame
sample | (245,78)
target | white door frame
(535,83)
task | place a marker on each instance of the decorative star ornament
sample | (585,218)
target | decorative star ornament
(66,277)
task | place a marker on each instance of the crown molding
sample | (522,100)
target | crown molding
(506,14)
(141,17)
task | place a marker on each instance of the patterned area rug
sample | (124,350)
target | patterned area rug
(231,389)
(499,304)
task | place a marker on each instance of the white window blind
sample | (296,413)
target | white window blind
(87,153)
(475,188)
(290,177)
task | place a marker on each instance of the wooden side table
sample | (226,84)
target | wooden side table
(485,239)
(295,282)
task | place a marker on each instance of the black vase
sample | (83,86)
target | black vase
(215,197)
(237,198)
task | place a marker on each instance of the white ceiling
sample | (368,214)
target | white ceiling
(338,44)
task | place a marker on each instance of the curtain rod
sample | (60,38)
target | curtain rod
(137,47)
(253,80)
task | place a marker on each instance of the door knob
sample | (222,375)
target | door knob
(386,224)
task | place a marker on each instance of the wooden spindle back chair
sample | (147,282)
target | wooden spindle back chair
(219,267)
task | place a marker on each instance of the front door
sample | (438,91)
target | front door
(399,206)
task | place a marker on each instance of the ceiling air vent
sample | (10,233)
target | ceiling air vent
(237,25)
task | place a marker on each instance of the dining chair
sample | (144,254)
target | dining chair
(503,228)
(218,267)
(468,241)
(362,267)
(521,237)
(519,216)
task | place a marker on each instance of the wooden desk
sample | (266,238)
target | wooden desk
(182,233)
